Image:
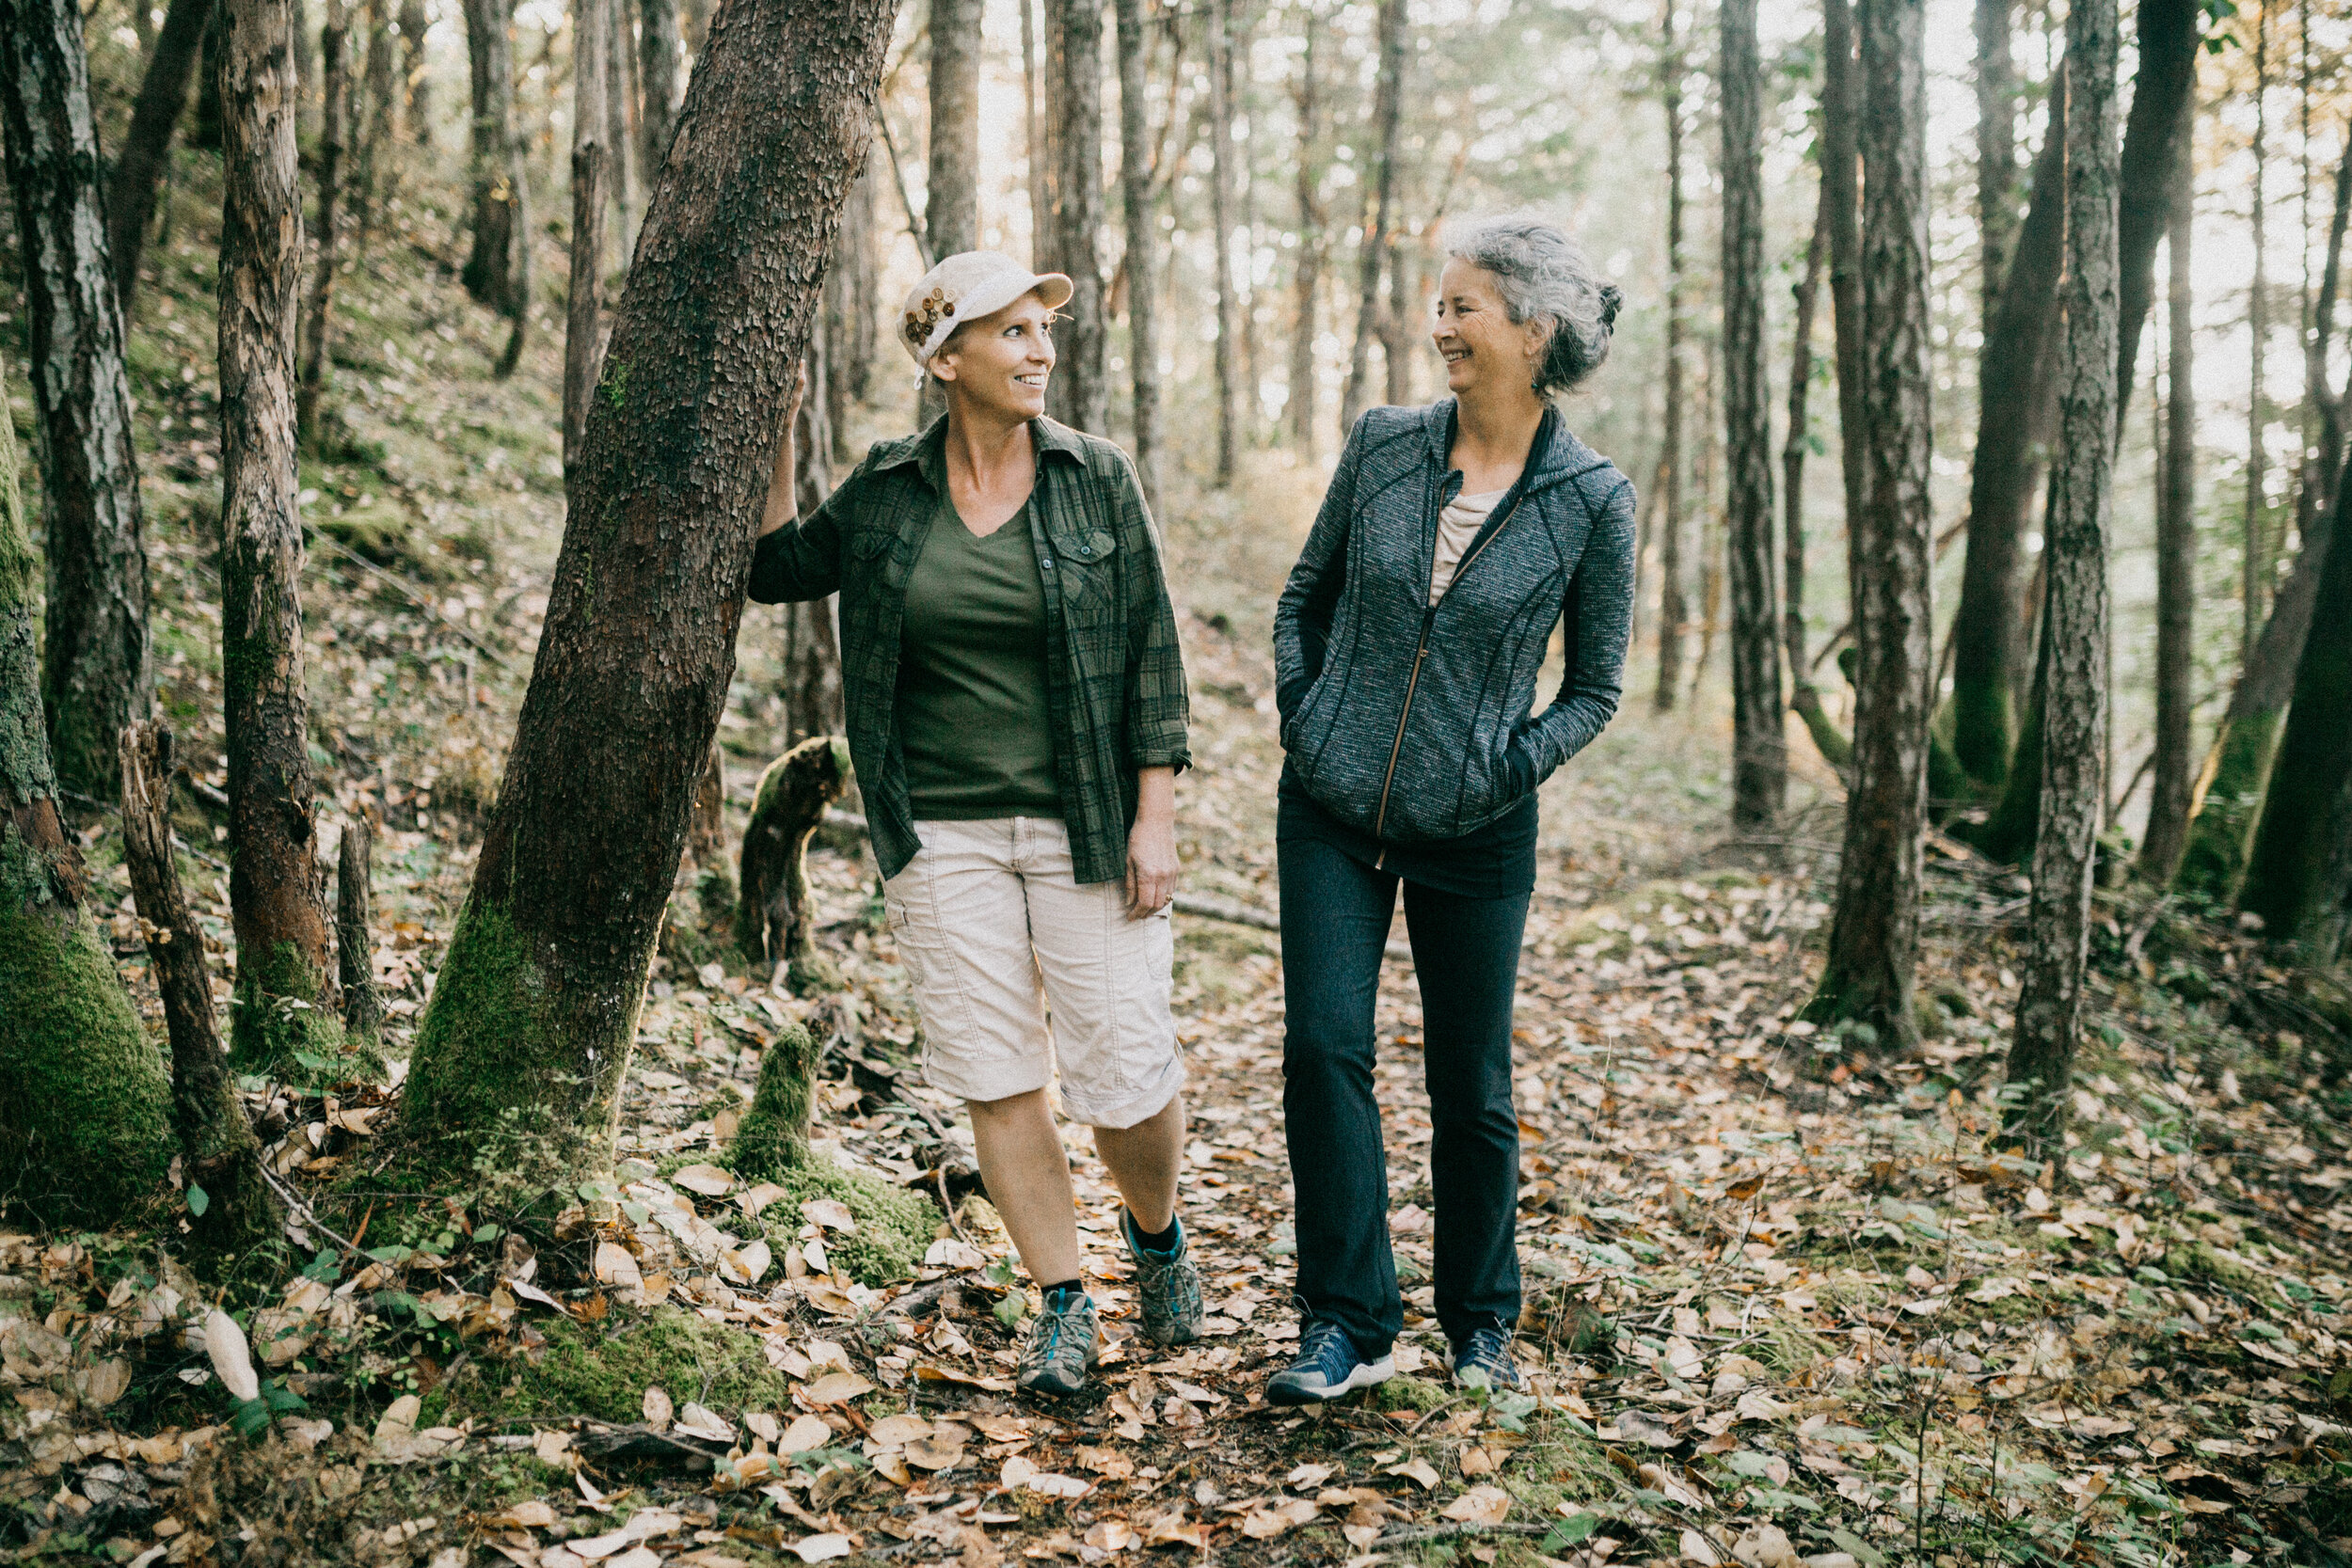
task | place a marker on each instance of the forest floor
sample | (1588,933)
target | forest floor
(1783,1304)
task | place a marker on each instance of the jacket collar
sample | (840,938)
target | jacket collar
(927,449)
(1556,455)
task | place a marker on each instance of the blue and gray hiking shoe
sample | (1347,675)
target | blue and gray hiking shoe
(1061,1346)
(1328,1366)
(1483,1361)
(1168,1284)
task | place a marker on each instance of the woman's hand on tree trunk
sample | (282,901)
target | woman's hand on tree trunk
(1152,865)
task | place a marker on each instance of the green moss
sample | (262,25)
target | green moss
(773,1136)
(84,1129)
(2202,1260)
(895,1228)
(278,1029)
(604,1372)
(2222,832)
(1409,1393)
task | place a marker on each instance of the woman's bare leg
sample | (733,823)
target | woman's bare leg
(1145,1160)
(1027,1174)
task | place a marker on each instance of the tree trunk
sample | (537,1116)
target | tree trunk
(2074,614)
(221,1157)
(2175,757)
(1842,200)
(1078,394)
(1759,746)
(851,307)
(620,139)
(951,203)
(2014,406)
(497,270)
(1387,113)
(354,941)
(1307,281)
(84,1139)
(138,172)
(204,122)
(537,1007)
(2254,589)
(369,125)
(1219,25)
(1035,144)
(583,325)
(707,821)
(812,642)
(1874,938)
(658,44)
(1996,152)
(2164,91)
(286,999)
(95,677)
(1672,611)
(2287,881)
(413,26)
(334,115)
(1135,185)
(773,915)
(1804,696)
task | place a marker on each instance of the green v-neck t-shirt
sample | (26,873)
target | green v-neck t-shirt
(972,724)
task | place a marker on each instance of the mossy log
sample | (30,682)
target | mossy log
(220,1154)
(773,1137)
(83,1134)
(773,921)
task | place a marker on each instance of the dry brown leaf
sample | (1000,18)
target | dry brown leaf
(1480,1505)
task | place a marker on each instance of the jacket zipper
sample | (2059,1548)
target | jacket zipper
(1421,651)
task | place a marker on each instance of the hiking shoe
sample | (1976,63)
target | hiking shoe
(1483,1361)
(1169,1285)
(1060,1349)
(1328,1366)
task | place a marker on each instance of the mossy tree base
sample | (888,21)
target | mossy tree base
(281,1028)
(2219,837)
(773,1137)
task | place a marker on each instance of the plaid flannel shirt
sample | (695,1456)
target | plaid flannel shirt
(1115,676)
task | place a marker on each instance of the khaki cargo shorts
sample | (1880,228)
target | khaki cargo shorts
(999,937)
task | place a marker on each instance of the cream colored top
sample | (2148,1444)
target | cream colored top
(1458,524)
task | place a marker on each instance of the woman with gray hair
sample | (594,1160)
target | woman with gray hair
(1453,540)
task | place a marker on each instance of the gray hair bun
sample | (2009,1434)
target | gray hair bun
(1542,272)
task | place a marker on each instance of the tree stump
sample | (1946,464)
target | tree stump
(772,1137)
(355,949)
(771,919)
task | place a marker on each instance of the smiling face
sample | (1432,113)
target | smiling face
(1476,337)
(998,365)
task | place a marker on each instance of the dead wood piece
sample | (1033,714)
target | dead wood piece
(642,1441)
(355,949)
(773,918)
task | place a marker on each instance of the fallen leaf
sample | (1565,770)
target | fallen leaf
(709,1181)
(805,1433)
(535,1513)
(893,1432)
(836,1388)
(1697,1548)
(657,1407)
(1264,1524)
(1480,1505)
(828,1213)
(232,1360)
(1415,1471)
(820,1549)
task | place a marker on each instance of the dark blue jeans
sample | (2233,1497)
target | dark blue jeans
(1336,912)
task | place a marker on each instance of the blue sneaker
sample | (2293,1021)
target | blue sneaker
(1483,1360)
(1328,1366)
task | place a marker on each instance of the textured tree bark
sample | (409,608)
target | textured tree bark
(286,999)
(1672,611)
(1997,151)
(851,307)
(535,1010)
(219,1153)
(2163,93)
(2287,876)
(1804,696)
(1874,938)
(1759,745)
(951,203)
(369,125)
(2014,405)
(498,269)
(774,916)
(812,642)
(621,117)
(354,941)
(707,820)
(2254,585)
(1079,393)
(658,71)
(146,143)
(94,675)
(1307,281)
(2175,757)
(334,115)
(419,86)
(583,314)
(1219,25)
(84,1139)
(1134,187)
(1841,198)
(204,122)
(1036,146)
(2074,614)
(1387,113)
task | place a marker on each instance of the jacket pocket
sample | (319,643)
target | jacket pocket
(1088,566)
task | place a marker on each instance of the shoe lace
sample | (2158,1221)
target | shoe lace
(1487,1347)
(1322,1340)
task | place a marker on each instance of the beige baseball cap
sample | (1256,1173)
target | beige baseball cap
(966,287)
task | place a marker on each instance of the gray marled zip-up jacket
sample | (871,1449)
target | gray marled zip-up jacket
(1410,722)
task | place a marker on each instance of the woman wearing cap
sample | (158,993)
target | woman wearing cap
(1017,716)
(1453,540)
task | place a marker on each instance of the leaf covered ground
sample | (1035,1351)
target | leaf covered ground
(1785,1304)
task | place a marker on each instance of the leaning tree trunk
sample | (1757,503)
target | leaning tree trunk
(1079,392)
(2013,411)
(1134,187)
(221,1160)
(659,43)
(2175,757)
(1804,696)
(1386,114)
(146,154)
(2074,604)
(94,677)
(1672,611)
(2287,881)
(537,1007)
(1219,23)
(1997,151)
(334,115)
(583,315)
(1874,937)
(84,1138)
(1759,745)
(498,269)
(286,996)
